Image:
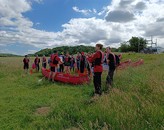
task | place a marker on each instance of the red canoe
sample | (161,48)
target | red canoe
(68,78)
(137,63)
(124,64)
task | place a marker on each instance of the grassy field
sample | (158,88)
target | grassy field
(136,101)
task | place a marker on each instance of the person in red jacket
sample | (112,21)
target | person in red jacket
(26,64)
(37,62)
(54,61)
(98,68)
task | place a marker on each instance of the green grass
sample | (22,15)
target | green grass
(135,102)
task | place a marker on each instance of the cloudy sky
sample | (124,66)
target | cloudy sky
(27,26)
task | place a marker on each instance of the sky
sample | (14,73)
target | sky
(27,26)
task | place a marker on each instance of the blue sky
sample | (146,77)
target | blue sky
(26,26)
(52,14)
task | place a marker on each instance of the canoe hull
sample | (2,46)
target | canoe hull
(67,78)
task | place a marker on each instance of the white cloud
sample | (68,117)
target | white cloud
(15,28)
(84,11)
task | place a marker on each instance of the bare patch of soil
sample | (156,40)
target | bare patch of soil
(43,111)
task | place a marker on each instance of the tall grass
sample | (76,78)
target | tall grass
(135,101)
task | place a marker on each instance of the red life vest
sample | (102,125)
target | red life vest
(99,61)
(53,60)
(37,60)
(44,59)
(67,59)
(26,60)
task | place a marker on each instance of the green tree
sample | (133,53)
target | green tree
(124,47)
(137,44)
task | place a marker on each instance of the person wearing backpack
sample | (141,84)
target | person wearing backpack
(111,60)
(54,61)
(117,60)
(97,59)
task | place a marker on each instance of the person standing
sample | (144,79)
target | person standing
(61,67)
(78,61)
(37,62)
(55,60)
(67,63)
(82,62)
(26,64)
(111,60)
(44,62)
(72,67)
(97,59)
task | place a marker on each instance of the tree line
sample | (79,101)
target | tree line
(135,44)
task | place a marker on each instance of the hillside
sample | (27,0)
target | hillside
(70,49)
(8,55)
(64,49)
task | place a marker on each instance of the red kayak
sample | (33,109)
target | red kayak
(137,63)
(124,64)
(68,78)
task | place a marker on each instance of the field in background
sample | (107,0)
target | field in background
(135,101)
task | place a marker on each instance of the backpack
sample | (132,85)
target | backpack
(55,62)
(117,60)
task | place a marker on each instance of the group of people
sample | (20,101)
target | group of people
(91,62)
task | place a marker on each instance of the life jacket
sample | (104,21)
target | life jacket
(114,56)
(117,60)
(78,58)
(72,60)
(99,61)
(53,61)
(44,59)
(37,60)
(67,59)
(26,60)
(82,58)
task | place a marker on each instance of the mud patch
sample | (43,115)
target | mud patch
(42,111)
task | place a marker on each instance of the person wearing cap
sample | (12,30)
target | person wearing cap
(97,60)
(37,62)
(26,63)
(111,60)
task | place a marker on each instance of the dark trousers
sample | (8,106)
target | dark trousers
(109,78)
(37,67)
(44,65)
(97,82)
(61,69)
(78,65)
(82,66)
